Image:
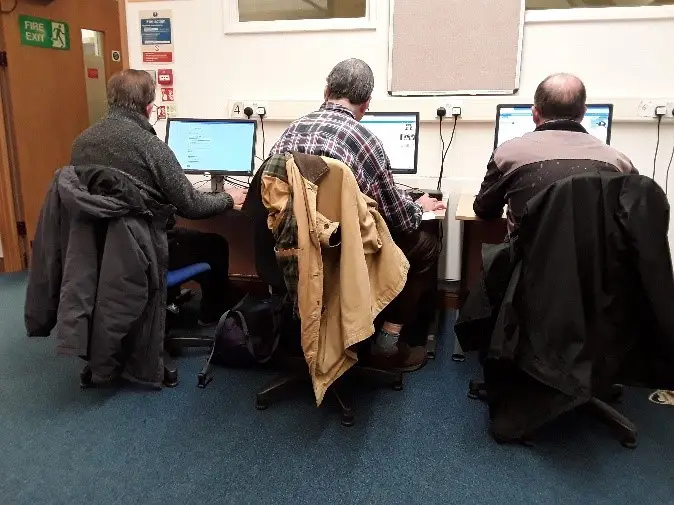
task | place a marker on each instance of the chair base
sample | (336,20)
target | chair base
(338,390)
(626,429)
(170,371)
(175,344)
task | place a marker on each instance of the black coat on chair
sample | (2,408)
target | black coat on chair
(583,298)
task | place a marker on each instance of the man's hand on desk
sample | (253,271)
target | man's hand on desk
(238,195)
(430,204)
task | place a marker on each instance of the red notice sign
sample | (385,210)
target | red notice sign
(92,73)
(157,57)
(167,95)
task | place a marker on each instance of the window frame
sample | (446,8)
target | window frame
(581,14)
(234,26)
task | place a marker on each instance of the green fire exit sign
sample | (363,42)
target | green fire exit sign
(45,33)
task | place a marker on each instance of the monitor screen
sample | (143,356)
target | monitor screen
(217,146)
(515,120)
(399,132)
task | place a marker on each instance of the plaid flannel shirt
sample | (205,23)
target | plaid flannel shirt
(333,131)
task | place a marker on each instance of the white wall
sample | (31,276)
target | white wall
(622,61)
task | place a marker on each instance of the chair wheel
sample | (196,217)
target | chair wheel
(170,378)
(459,358)
(261,403)
(398,385)
(348,421)
(629,442)
(203,380)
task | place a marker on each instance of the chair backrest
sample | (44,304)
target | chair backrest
(597,272)
(263,239)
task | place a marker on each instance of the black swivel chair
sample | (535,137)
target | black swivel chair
(604,273)
(176,298)
(293,360)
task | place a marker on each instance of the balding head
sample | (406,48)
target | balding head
(560,96)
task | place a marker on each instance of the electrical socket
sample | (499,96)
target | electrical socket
(255,105)
(236,108)
(453,107)
(670,110)
(646,109)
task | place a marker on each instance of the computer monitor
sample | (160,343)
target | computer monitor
(399,132)
(515,120)
(217,146)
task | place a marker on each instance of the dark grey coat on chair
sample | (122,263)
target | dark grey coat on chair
(98,274)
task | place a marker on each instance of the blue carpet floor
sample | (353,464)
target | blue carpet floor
(425,445)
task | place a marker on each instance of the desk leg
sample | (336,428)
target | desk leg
(432,338)
(457,354)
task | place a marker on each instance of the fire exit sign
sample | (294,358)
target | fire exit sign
(45,33)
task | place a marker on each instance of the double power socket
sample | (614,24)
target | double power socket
(236,110)
(651,108)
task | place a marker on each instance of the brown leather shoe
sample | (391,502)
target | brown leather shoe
(407,359)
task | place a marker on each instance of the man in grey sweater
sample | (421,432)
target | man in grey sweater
(125,140)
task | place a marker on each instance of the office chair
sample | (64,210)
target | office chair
(557,335)
(600,408)
(176,298)
(294,362)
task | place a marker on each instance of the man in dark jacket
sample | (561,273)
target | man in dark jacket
(559,147)
(126,141)
(98,274)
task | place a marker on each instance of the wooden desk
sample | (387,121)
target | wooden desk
(236,228)
(475,233)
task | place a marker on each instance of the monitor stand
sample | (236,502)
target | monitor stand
(217,183)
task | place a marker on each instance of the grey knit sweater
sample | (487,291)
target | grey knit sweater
(125,140)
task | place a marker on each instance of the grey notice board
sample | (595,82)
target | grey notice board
(455,47)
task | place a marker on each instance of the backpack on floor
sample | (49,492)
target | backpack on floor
(246,335)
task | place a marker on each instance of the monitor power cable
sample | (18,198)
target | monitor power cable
(669,165)
(657,144)
(235,183)
(263,135)
(441,113)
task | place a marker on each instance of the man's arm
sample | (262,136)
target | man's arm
(491,199)
(178,190)
(398,209)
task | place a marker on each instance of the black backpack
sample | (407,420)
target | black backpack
(246,335)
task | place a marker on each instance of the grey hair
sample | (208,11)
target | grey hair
(351,79)
(131,89)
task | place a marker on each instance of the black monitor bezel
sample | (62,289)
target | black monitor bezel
(216,120)
(416,138)
(529,105)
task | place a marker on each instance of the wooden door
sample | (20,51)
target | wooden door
(45,94)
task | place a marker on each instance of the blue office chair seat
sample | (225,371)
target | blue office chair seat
(181,275)
(176,297)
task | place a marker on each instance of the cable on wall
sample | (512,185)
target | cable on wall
(442,112)
(669,165)
(657,146)
(263,139)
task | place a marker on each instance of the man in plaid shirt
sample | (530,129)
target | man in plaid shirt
(335,131)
